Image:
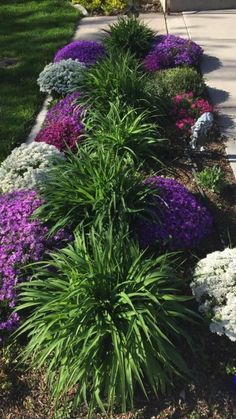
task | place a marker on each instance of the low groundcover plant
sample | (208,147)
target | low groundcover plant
(86,52)
(182,220)
(172,51)
(62,126)
(22,240)
(214,287)
(27,166)
(61,78)
(106,320)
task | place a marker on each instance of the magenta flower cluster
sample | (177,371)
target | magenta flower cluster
(186,110)
(63,127)
(22,240)
(87,52)
(180,221)
(172,51)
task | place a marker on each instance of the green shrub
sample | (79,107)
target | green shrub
(106,321)
(125,129)
(176,81)
(106,6)
(130,34)
(90,186)
(211,178)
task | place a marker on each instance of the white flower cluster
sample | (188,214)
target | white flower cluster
(214,287)
(27,165)
(61,77)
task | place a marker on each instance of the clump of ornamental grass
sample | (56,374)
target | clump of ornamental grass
(126,130)
(129,34)
(120,76)
(91,185)
(106,321)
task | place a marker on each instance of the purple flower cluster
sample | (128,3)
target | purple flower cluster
(62,126)
(87,52)
(22,240)
(172,51)
(181,220)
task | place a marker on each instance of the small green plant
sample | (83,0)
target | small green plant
(130,34)
(125,129)
(106,320)
(92,185)
(211,178)
(174,81)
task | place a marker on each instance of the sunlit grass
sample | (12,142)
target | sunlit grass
(30,32)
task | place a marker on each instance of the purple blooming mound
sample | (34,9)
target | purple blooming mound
(87,52)
(172,51)
(183,220)
(22,241)
(62,126)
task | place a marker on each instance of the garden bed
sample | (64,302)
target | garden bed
(110,224)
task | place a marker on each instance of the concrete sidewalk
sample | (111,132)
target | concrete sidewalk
(91,28)
(215,31)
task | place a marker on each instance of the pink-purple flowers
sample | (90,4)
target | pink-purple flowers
(22,240)
(183,220)
(186,110)
(87,52)
(172,51)
(63,127)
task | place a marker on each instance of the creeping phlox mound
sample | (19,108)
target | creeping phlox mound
(214,287)
(27,166)
(87,52)
(22,240)
(172,51)
(180,222)
(63,127)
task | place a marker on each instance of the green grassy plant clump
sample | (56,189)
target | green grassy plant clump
(125,129)
(105,6)
(106,321)
(119,76)
(174,81)
(90,186)
(30,31)
(130,34)
(212,179)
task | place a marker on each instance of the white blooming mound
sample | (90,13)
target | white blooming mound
(27,166)
(61,77)
(214,287)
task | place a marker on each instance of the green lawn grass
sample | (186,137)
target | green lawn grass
(30,32)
